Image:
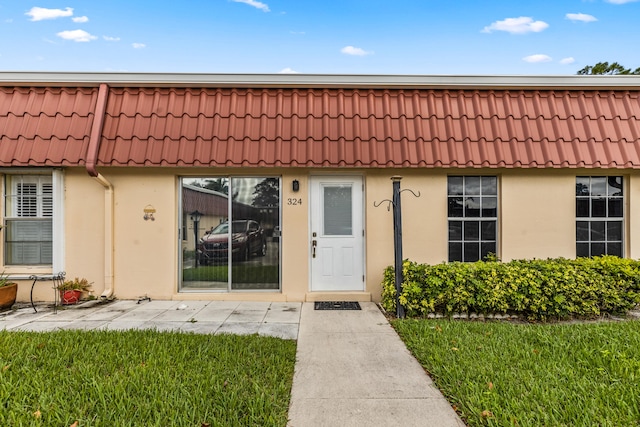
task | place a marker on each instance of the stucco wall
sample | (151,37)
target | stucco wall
(536,220)
(424,221)
(84,228)
(295,236)
(145,256)
(537,215)
(632,224)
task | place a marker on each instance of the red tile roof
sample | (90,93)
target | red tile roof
(45,126)
(336,127)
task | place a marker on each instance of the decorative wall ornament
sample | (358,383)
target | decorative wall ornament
(148,213)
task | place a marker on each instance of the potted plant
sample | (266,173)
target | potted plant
(71,290)
(8,292)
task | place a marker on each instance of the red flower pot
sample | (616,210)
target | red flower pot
(70,296)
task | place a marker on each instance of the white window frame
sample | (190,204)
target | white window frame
(472,219)
(606,219)
(57,217)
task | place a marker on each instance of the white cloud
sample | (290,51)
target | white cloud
(111,39)
(568,60)
(581,17)
(521,25)
(537,58)
(76,35)
(620,1)
(351,50)
(41,13)
(138,45)
(287,71)
(257,4)
(80,19)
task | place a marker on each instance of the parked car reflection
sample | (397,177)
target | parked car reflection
(247,239)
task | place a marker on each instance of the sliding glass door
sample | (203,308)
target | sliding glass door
(230,233)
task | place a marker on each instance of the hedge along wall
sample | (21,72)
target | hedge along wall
(536,289)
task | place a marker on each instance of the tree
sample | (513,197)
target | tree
(605,68)
(267,193)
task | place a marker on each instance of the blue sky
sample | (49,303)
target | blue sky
(461,37)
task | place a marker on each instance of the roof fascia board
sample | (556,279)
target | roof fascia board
(94,79)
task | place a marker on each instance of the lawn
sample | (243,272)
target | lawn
(241,273)
(143,378)
(504,374)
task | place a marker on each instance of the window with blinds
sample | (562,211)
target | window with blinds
(28,220)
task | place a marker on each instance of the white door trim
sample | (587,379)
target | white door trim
(339,261)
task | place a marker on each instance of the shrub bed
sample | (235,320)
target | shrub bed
(536,289)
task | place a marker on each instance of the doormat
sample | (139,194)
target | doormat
(337,305)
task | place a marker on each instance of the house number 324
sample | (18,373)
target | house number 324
(294,202)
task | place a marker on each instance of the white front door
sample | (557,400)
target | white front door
(336,241)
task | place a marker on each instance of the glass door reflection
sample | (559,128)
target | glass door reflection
(230,233)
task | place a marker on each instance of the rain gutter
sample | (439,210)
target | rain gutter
(322,81)
(91,161)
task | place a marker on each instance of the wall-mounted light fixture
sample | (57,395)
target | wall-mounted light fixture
(295,185)
(148,213)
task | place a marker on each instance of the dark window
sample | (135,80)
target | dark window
(599,215)
(473,213)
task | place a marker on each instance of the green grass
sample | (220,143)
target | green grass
(143,378)
(503,374)
(241,273)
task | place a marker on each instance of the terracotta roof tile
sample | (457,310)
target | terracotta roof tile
(45,126)
(324,127)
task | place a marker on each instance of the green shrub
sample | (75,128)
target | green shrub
(536,289)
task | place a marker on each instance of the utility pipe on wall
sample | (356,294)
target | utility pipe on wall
(108,236)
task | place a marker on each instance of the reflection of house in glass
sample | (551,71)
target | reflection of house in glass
(214,208)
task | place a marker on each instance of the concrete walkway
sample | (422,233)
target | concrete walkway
(352,369)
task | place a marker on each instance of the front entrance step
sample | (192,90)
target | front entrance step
(338,296)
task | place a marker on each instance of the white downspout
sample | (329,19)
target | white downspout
(108,236)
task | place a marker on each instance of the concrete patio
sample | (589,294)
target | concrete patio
(206,317)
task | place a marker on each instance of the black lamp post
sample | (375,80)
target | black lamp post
(195,217)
